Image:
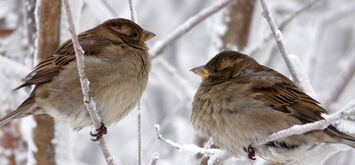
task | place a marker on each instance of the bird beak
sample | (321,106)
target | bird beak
(147,35)
(201,71)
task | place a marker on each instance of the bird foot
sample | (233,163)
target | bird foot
(251,152)
(99,132)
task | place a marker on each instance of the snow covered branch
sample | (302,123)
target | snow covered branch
(155,159)
(193,149)
(292,62)
(348,110)
(159,46)
(88,101)
(132,8)
(139,123)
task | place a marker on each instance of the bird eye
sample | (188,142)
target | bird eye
(216,70)
(134,34)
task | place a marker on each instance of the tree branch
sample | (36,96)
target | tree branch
(132,8)
(159,46)
(89,103)
(189,148)
(155,159)
(348,110)
(215,155)
(292,62)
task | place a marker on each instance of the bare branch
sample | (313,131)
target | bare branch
(159,46)
(292,62)
(348,110)
(89,103)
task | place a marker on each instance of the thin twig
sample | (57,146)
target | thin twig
(283,25)
(215,154)
(297,13)
(348,110)
(132,8)
(159,46)
(139,122)
(88,101)
(340,85)
(191,148)
(293,64)
(109,7)
(155,159)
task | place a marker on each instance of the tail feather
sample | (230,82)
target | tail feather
(344,138)
(350,143)
(21,111)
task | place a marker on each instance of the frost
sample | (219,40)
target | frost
(321,38)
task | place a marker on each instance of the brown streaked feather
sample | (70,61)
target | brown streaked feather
(286,97)
(49,68)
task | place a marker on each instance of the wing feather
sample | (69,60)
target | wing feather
(46,70)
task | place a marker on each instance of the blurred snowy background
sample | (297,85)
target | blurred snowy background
(323,37)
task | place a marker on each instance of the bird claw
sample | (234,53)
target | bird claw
(251,152)
(99,132)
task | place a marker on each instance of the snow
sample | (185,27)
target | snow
(326,55)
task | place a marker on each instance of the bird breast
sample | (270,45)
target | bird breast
(115,85)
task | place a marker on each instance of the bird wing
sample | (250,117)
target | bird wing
(287,98)
(46,70)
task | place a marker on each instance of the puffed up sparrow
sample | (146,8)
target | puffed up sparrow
(117,65)
(240,103)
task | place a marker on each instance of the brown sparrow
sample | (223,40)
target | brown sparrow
(117,65)
(240,102)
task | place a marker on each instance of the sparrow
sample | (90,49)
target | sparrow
(117,65)
(239,103)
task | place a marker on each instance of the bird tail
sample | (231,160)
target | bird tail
(350,143)
(344,138)
(21,111)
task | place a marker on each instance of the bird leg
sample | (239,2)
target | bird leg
(99,132)
(251,152)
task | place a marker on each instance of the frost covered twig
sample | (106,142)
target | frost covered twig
(84,82)
(132,8)
(283,25)
(139,123)
(159,46)
(191,148)
(292,62)
(155,159)
(348,110)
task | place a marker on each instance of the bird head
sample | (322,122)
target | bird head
(225,66)
(124,30)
